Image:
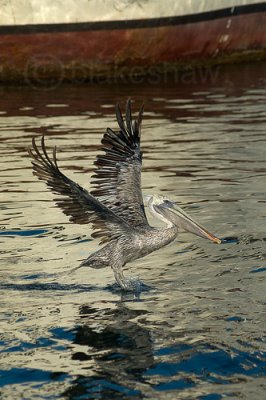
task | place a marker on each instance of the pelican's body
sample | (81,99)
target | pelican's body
(115,206)
(123,250)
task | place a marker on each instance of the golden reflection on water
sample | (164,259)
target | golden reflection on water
(199,328)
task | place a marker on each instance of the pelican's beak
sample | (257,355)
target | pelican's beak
(189,225)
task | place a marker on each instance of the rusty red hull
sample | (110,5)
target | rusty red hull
(86,54)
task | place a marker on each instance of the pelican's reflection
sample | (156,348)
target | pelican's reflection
(114,352)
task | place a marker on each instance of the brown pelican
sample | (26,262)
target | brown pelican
(115,205)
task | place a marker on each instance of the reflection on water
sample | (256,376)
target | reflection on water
(198,331)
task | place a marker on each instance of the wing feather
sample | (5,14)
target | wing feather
(117,178)
(75,201)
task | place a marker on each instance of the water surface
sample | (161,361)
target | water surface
(199,331)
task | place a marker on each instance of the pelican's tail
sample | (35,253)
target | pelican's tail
(94,261)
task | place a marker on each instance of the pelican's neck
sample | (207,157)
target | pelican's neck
(168,222)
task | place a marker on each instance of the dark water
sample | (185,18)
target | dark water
(199,331)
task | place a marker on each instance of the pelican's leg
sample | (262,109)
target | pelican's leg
(119,277)
(126,284)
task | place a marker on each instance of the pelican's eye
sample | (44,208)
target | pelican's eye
(167,203)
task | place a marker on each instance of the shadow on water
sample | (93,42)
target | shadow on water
(126,365)
(53,286)
(121,351)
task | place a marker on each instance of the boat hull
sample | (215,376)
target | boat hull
(88,51)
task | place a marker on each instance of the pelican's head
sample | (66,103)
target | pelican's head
(168,211)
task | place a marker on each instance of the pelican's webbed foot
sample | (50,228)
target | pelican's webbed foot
(131,284)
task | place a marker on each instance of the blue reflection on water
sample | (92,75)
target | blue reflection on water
(22,375)
(210,363)
(30,232)
(256,270)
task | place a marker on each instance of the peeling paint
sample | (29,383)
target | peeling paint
(224,38)
(228,25)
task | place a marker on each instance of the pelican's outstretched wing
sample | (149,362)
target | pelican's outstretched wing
(75,201)
(117,179)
